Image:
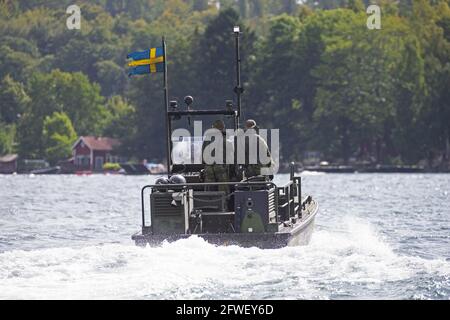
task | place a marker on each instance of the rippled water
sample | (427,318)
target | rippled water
(377,236)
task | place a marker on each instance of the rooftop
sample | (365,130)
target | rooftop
(8,158)
(99,143)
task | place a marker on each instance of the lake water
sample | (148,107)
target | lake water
(380,236)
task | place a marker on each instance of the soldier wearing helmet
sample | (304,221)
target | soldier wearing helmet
(254,169)
(218,171)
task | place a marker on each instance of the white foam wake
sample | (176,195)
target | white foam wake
(192,268)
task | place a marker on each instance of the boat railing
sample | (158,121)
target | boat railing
(287,196)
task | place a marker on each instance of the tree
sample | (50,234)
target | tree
(7,133)
(200,5)
(276,81)
(290,6)
(366,78)
(309,67)
(428,22)
(120,115)
(71,93)
(58,135)
(13,100)
(111,77)
(325,4)
(214,59)
(356,5)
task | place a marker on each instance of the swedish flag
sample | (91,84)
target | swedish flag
(147,61)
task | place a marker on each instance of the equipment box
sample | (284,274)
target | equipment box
(259,204)
(170,212)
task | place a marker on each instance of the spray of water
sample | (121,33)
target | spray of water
(330,267)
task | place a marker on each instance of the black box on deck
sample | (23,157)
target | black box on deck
(261,202)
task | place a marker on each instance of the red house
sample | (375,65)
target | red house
(8,163)
(90,153)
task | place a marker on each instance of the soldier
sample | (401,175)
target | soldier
(219,172)
(254,169)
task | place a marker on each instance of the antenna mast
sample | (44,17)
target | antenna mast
(166,111)
(238,89)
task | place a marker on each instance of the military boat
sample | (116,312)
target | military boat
(248,212)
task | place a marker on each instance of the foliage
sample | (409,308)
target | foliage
(13,100)
(71,93)
(7,133)
(313,70)
(111,166)
(58,135)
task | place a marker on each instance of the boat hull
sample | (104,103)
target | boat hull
(298,234)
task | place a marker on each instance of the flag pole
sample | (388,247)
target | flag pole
(166,106)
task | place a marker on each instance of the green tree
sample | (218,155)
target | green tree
(7,133)
(111,77)
(310,68)
(199,5)
(362,75)
(326,4)
(356,5)
(429,23)
(71,93)
(275,82)
(120,115)
(214,59)
(13,100)
(58,135)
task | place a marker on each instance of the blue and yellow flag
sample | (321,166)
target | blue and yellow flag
(147,61)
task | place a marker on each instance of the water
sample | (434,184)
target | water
(379,236)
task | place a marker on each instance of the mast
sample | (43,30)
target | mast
(238,89)
(166,106)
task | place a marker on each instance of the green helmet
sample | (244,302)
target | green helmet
(250,124)
(219,125)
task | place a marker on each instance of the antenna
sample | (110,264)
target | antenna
(166,107)
(238,89)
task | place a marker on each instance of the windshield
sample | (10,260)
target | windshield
(187,150)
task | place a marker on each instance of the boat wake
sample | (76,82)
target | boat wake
(352,262)
(311,173)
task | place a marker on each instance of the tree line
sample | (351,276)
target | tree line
(314,70)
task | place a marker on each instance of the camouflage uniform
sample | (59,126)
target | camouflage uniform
(219,172)
(252,170)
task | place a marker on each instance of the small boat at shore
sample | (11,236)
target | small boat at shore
(50,170)
(143,168)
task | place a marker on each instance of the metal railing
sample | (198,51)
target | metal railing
(287,190)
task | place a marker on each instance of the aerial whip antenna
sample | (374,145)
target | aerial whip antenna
(238,89)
